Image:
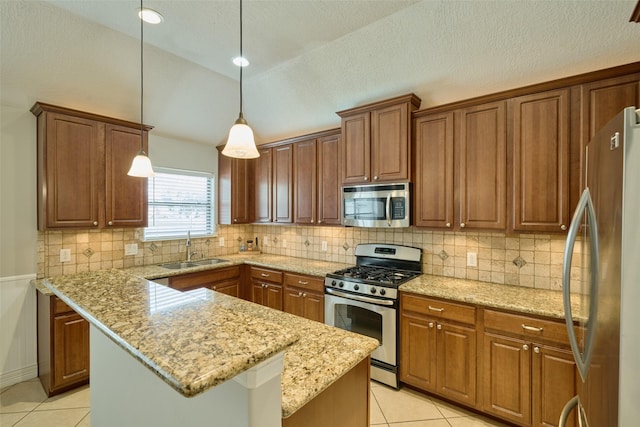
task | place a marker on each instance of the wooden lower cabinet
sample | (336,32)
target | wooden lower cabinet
(438,354)
(526,381)
(225,280)
(266,287)
(304,296)
(63,346)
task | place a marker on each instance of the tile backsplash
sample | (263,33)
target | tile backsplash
(531,260)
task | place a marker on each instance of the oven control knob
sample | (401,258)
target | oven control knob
(341,284)
(373,290)
(382,292)
(356,288)
(333,283)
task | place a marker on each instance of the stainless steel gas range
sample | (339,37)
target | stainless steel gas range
(364,299)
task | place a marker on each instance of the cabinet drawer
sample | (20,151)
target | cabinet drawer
(439,309)
(530,327)
(305,282)
(266,275)
(203,278)
(60,307)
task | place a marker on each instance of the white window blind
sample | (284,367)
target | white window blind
(180,201)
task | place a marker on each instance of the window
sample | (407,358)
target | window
(180,201)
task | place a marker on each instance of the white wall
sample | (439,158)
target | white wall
(172,153)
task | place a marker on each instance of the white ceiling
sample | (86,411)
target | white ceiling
(309,58)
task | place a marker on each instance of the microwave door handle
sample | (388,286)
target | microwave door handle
(388,209)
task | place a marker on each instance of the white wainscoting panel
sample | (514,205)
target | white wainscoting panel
(18,330)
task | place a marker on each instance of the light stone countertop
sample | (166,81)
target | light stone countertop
(192,340)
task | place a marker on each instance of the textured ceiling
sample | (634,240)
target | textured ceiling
(308,58)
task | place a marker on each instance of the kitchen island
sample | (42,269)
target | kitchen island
(197,342)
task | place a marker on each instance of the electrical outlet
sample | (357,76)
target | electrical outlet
(131,249)
(284,243)
(324,246)
(221,242)
(472,259)
(265,241)
(65,255)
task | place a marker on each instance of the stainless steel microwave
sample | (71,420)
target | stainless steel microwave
(378,205)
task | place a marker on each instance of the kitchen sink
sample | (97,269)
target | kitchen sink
(179,265)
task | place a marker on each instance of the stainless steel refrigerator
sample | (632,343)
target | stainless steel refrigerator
(601,280)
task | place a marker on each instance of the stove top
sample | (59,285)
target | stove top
(375,275)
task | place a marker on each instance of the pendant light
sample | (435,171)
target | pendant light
(241,143)
(141,165)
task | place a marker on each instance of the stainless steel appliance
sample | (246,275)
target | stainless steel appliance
(379,205)
(364,299)
(603,245)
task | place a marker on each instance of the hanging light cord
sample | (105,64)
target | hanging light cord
(241,58)
(141,80)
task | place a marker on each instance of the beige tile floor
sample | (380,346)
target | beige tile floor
(25,405)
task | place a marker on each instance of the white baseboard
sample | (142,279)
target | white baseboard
(19,375)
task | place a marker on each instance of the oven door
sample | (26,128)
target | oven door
(346,312)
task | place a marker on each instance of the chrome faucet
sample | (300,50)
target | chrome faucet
(188,246)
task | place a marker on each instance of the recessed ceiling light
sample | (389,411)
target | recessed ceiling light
(240,61)
(150,16)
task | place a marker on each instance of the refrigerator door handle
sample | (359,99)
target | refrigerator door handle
(564,415)
(583,360)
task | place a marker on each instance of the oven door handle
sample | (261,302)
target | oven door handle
(388,210)
(358,297)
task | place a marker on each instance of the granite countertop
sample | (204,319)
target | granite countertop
(192,340)
(539,302)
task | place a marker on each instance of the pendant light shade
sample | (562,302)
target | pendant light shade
(241,143)
(141,165)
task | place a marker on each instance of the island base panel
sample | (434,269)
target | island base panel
(126,393)
(344,404)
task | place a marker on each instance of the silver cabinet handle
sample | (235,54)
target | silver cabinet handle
(366,179)
(302,282)
(536,349)
(525,347)
(567,410)
(95,222)
(431,324)
(375,178)
(439,327)
(388,209)
(448,224)
(463,225)
(583,360)
(110,223)
(311,221)
(304,295)
(319,221)
(563,227)
(299,294)
(531,328)
(264,275)
(440,310)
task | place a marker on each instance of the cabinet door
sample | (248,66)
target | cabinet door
(273,296)
(434,171)
(282,184)
(314,306)
(456,350)
(329,183)
(72,163)
(482,163)
(390,143)
(229,287)
(70,350)
(541,162)
(263,187)
(241,184)
(257,292)
(293,301)
(555,380)
(507,378)
(305,181)
(418,352)
(356,148)
(126,196)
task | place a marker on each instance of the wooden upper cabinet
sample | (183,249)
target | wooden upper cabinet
(305,171)
(83,160)
(329,183)
(433,185)
(376,141)
(482,161)
(263,188)
(126,196)
(541,132)
(235,196)
(283,183)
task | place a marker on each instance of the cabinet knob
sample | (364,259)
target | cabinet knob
(439,327)
(95,222)
(431,324)
(304,295)
(563,227)
(235,219)
(299,294)
(110,223)
(536,349)
(448,224)
(319,221)
(375,178)
(366,179)
(214,288)
(525,347)
(311,221)
(463,225)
